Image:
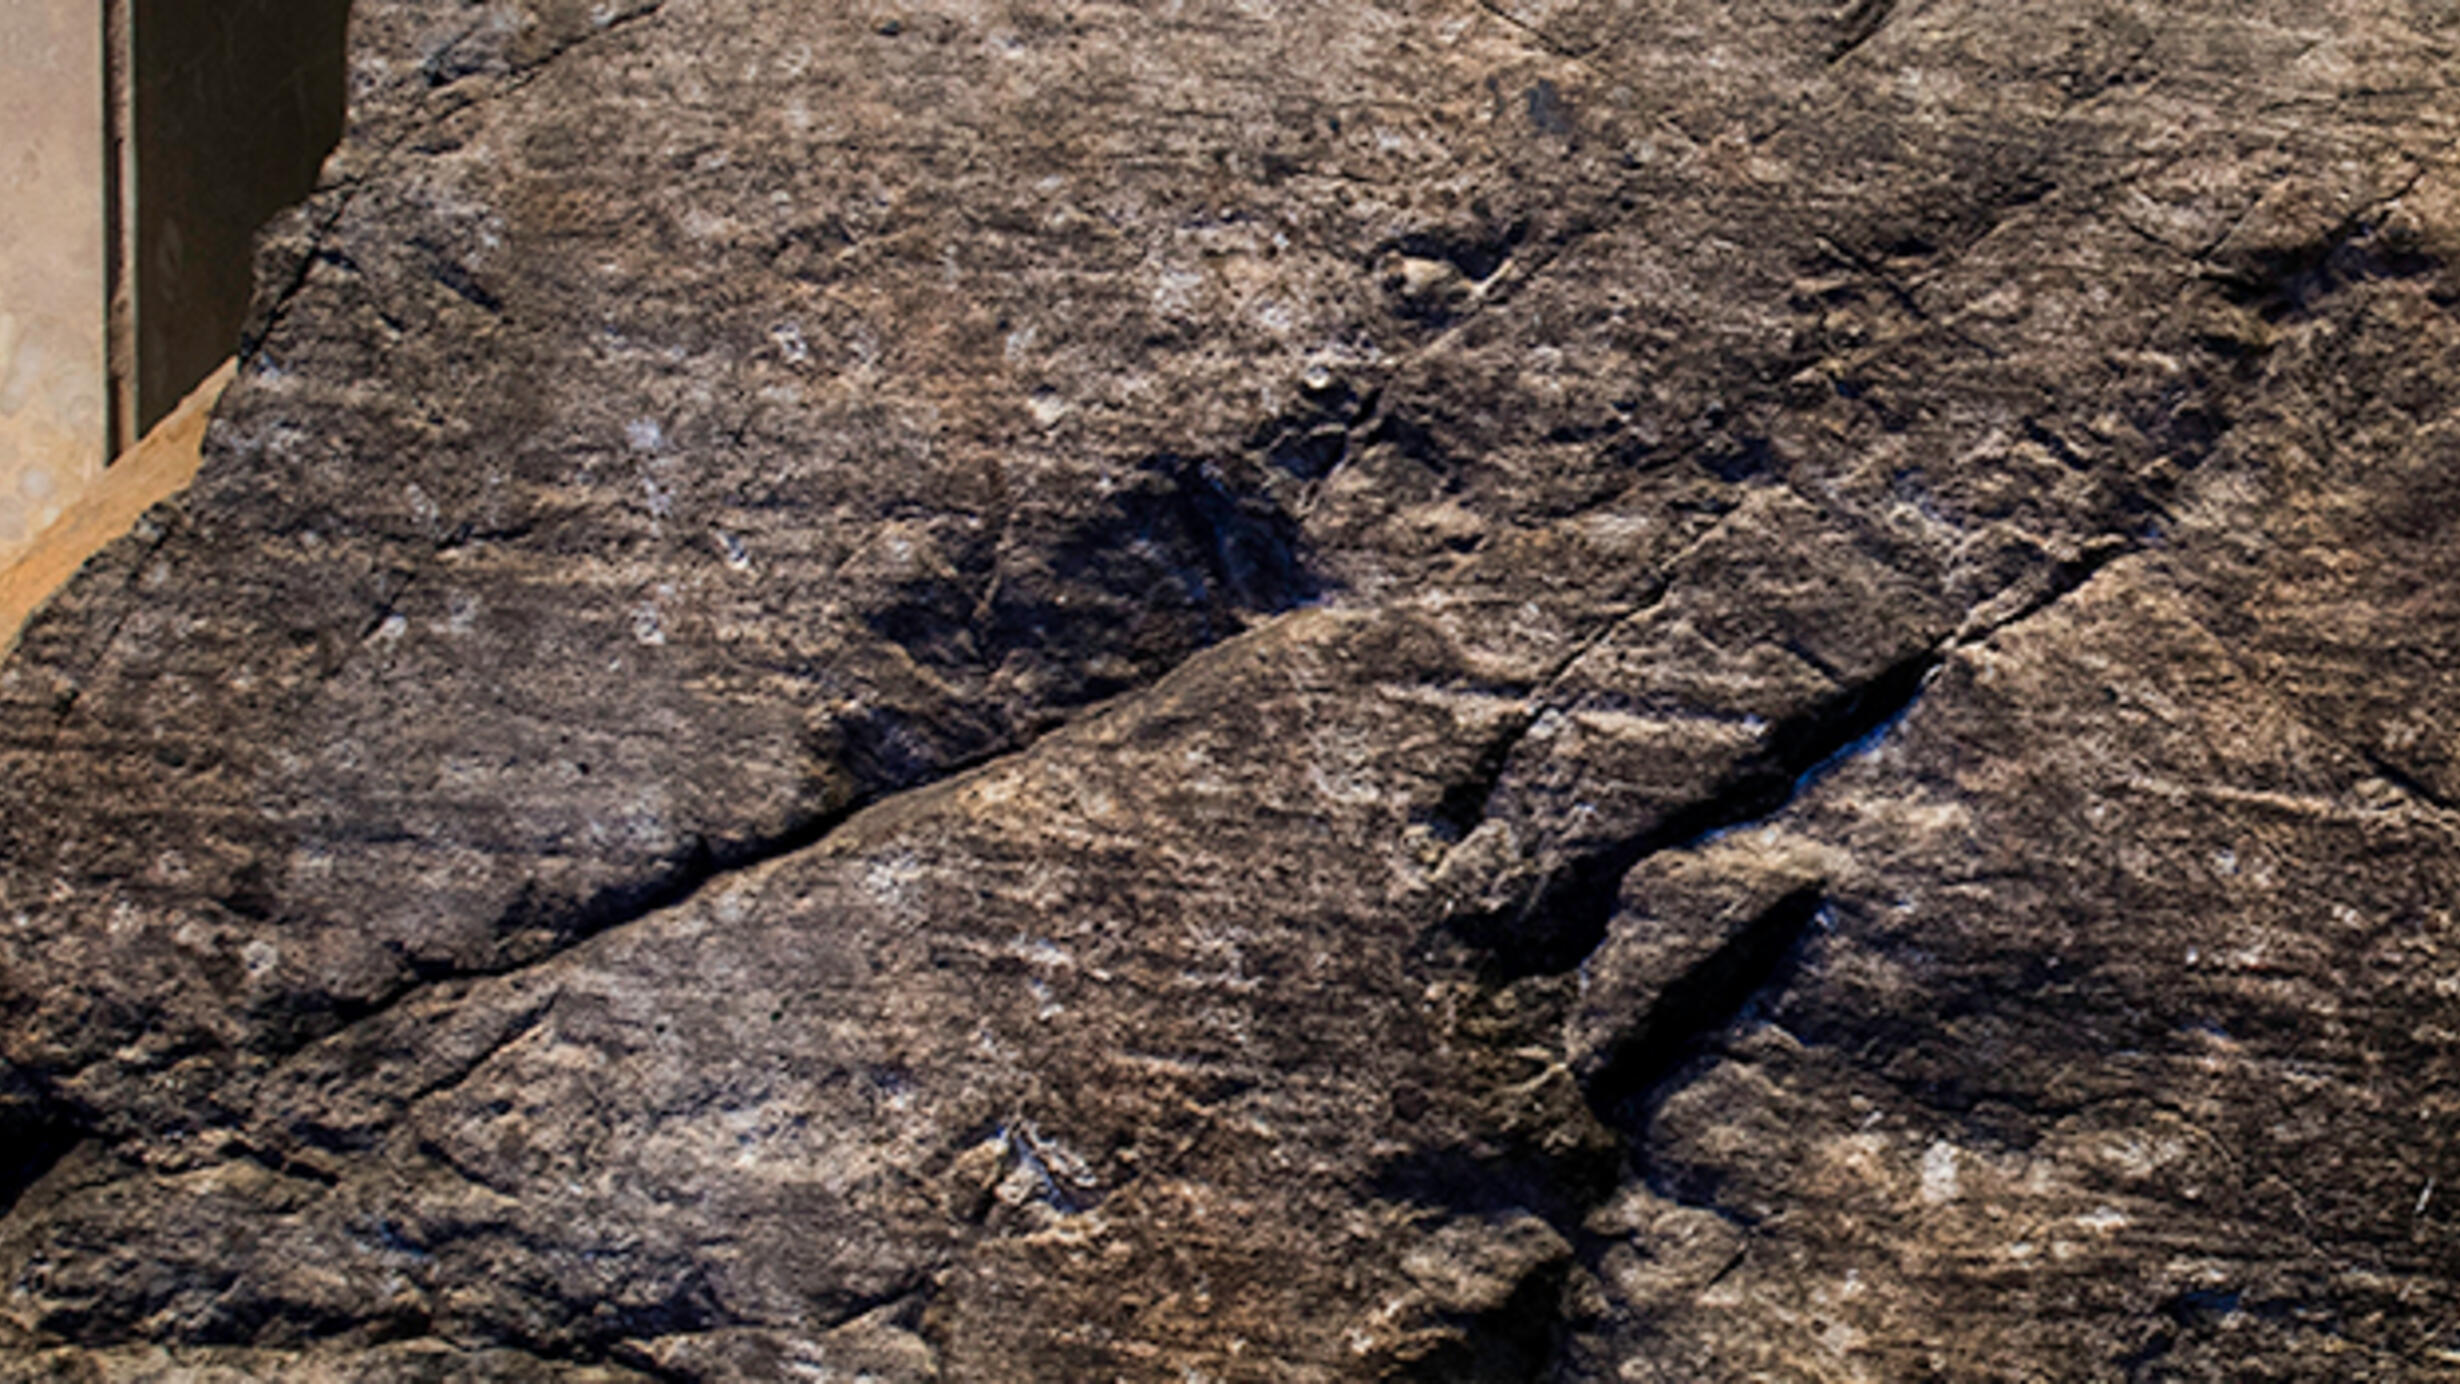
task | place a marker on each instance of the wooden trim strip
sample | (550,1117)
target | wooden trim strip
(154,470)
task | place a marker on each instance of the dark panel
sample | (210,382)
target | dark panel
(236,105)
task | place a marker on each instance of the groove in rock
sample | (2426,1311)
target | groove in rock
(619,905)
(2405,781)
(1675,1040)
(1244,548)
(1568,918)
(1704,1001)
(1861,23)
(2067,578)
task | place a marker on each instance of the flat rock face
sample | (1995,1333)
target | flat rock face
(1570,690)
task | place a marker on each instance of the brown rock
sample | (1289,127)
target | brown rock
(1437,690)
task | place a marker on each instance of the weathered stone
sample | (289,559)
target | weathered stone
(1526,691)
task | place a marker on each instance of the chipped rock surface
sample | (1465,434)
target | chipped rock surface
(1568,690)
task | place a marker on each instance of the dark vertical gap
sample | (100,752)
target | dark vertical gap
(231,109)
(27,1152)
(35,1134)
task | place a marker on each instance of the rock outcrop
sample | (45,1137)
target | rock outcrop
(1573,690)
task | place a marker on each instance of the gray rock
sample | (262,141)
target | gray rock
(1440,690)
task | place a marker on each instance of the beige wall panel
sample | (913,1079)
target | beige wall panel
(51,261)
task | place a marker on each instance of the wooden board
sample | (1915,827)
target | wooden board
(152,471)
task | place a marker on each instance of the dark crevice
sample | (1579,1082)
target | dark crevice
(1525,1144)
(1859,25)
(457,279)
(37,1129)
(1312,439)
(692,1307)
(1527,1147)
(1567,918)
(1502,1178)
(1694,1008)
(1464,801)
(1511,1344)
(1181,527)
(2134,1363)
(1478,255)
(1564,1174)
(1563,1177)
(280,1164)
(621,904)
(2055,445)
(31,1145)
(2065,578)
(2405,781)
(1678,1038)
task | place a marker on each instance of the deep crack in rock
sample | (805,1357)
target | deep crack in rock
(1567,917)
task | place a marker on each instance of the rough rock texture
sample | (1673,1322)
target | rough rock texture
(1573,690)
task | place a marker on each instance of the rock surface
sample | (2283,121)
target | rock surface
(1573,690)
